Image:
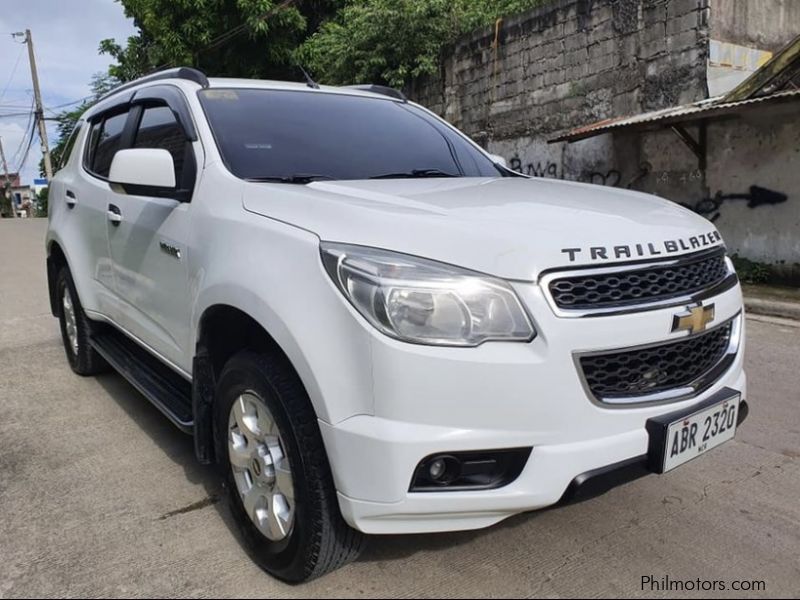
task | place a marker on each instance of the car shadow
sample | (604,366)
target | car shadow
(176,445)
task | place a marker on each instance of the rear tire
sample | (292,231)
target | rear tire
(76,329)
(272,460)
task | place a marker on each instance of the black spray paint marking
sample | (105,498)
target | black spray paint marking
(757,196)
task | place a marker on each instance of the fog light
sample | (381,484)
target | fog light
(440,469)
(469,470)
(437,469)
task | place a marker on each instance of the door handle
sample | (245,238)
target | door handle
(71,199)
(114,215)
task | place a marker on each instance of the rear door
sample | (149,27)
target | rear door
(148,234)
(78,199)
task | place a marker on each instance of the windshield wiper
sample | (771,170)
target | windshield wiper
(294,178)
(415,174)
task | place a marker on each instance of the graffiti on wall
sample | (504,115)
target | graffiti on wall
(546,168)
(551,169)
(611,177)
(709,207)
(756,196)
(682,177)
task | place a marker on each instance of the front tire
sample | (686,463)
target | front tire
(275,470)
(76,329)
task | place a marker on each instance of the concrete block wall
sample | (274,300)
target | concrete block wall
(764,24)
(571,62)
(752,183)
(574,62)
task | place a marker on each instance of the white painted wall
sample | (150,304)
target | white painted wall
(761,148)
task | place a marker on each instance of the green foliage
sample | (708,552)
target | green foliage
(339,41)
(394,41)
(235,38)
(66,119)
(751,271)
(41,202)
(5,201)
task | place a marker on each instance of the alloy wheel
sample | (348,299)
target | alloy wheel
(70,320)
(260,466)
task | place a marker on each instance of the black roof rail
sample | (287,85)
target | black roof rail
(187,73)
(383,90)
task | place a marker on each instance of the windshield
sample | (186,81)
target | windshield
(299,136)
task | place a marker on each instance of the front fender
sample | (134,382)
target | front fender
(294,300)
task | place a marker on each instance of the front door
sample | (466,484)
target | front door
(147,237)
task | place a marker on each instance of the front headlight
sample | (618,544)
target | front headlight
(423,301)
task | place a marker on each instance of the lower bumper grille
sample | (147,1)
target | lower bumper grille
(665,371)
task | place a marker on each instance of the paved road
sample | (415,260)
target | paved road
(100,496)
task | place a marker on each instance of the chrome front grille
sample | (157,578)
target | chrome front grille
(659,372)
(615,288)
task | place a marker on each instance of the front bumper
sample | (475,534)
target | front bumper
(432,400)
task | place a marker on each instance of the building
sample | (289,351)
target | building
(23,197)
(639,94)
(743,145)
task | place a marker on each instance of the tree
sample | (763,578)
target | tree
(41,202)
(394,41)
(101,83)
(339,41)
(237,38)
(5,200)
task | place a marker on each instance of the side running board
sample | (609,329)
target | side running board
(162,386)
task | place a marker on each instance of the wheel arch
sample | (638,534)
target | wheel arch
(223,330)
(56,259)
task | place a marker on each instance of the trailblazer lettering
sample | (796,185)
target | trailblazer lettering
(646,249)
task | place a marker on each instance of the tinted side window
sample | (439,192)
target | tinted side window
(106,143)
(91,144)
(159,129)
(69,146)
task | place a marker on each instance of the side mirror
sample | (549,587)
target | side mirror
(497,159)
(143,168)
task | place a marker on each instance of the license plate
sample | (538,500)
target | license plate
(678,438)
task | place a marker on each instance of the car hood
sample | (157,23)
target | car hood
(509,227)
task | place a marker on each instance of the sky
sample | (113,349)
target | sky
(66,35)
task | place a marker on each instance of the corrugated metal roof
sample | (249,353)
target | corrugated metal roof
(775,75)
(704,109)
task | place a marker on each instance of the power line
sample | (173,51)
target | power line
(28,126)
(13,72)
(72,102)
(20,157)
(40,123)
(52,109)
(27,149)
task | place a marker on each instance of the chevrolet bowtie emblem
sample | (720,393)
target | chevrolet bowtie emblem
(694,319)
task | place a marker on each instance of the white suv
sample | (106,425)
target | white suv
(373,326)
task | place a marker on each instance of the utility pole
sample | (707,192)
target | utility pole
(39,112)
(7,188)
